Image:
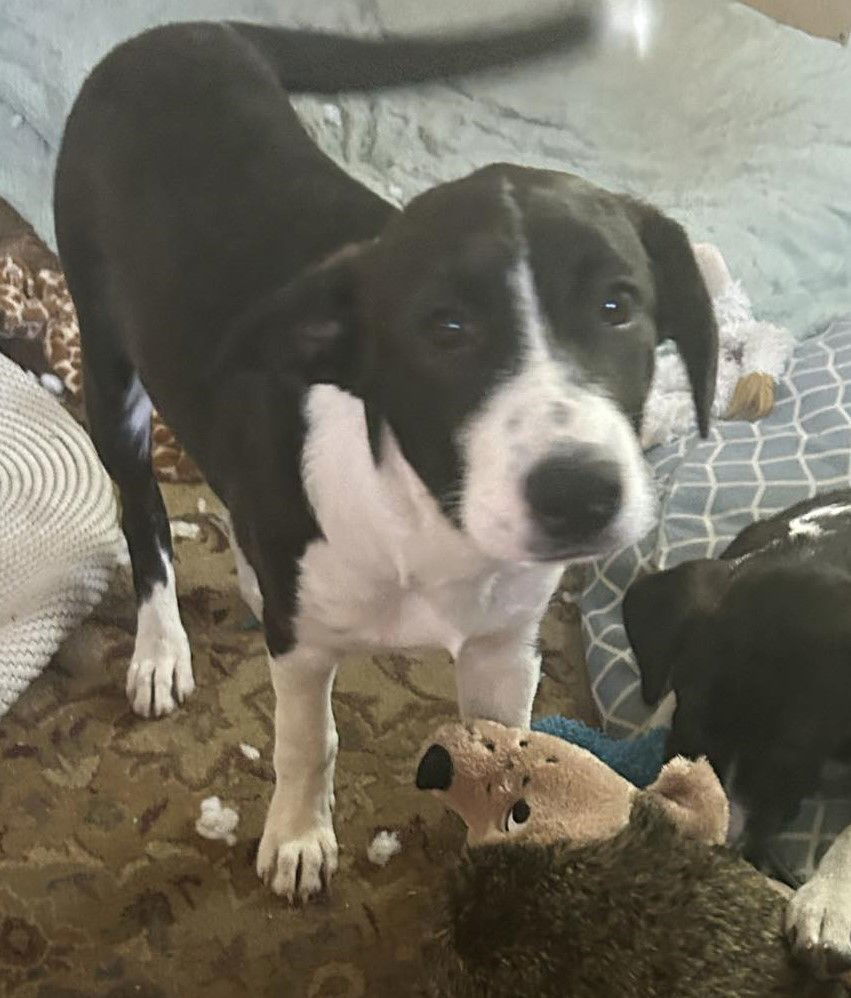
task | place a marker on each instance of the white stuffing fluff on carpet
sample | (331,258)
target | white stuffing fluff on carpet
(746,346)
(217,822)
(383,848)
(185,530)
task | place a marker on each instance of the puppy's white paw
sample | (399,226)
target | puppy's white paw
(160,673)
(296,865)
(818,925)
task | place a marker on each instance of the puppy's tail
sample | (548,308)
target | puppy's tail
(313,62)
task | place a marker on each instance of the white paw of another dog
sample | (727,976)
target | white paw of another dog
(818,925)
(296,866)
(160,673)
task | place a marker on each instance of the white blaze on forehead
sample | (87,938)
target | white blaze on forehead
(521,281)
(532,323)
(527,308)
(540,410)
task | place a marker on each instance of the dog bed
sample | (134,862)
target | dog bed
(708,491)
(742,127)
(59,535)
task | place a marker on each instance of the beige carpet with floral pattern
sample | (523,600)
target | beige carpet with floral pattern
(106,889)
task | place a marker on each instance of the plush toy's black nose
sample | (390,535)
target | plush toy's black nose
(574,496)
(435,769)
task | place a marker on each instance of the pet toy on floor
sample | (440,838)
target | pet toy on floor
(638,759)
(578,883)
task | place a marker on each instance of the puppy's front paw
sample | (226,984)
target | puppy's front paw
(160,673)
(818,925)
(296,865)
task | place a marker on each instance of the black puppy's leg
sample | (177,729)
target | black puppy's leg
(119,410)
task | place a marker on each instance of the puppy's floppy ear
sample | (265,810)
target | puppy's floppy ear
(308,329)
(658,609)
(684,310)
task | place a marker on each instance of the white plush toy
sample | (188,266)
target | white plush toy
(752,356)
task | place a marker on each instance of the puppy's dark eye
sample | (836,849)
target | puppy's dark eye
(450,331)
(617,308)
(518,815)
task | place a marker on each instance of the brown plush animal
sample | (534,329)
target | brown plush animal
(578,885)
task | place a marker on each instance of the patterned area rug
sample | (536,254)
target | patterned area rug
(106,889)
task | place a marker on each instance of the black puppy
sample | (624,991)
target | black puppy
(757,648)
(414,418)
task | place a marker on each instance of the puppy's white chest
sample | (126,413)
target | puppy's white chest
(342,604)
(391,570)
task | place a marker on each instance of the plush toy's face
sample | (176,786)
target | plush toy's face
(509,783)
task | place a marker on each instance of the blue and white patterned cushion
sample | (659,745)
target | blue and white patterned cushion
(708,491)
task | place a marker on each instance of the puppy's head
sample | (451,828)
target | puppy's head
(757,655)
(503,328)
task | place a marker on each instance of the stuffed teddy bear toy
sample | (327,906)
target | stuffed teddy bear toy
(576,884)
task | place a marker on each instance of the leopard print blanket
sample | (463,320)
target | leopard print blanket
(37,307)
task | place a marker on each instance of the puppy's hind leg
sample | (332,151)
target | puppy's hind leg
(119,411)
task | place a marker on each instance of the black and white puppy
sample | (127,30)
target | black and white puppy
(413,417)
(757,647)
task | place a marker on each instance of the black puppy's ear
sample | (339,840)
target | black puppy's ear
(658,610)
(684,310)
(308,329)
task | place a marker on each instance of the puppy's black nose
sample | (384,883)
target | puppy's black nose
(435,769)
(574,496)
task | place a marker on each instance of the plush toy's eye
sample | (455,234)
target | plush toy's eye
(518,815)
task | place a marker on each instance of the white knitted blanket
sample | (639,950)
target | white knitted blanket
(58,529)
